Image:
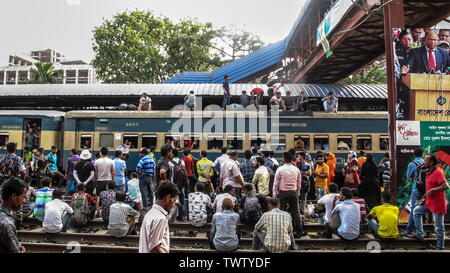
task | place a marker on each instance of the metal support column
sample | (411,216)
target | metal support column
(393,18)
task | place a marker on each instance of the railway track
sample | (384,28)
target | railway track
(202,242)
(63,248)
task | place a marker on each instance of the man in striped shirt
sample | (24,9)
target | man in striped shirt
(362,205)
(121,217)
(43,196)
(145,169)
(274,230)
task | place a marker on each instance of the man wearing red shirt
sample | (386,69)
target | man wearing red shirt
(189,164)
(259,93)
(434,201)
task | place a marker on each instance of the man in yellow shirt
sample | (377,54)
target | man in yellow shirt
(387,216)
(321,175)
(205,171)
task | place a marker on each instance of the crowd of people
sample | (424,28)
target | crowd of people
(267,195)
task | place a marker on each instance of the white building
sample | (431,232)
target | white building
(75,72)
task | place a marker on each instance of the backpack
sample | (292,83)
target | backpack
(180,176)
(305,179)
(252,210)
(80,208)
(421,184)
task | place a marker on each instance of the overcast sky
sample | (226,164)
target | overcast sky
(66,25)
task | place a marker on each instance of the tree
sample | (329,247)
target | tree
(373,74)
(139,47)
(188,47)
(44,73)
(236,43)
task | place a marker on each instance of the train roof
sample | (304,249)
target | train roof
(216,114)
(358,91)
(40,113)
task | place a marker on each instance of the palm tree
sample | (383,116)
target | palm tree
(45,73)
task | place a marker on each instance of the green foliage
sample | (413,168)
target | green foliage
(373,74)
(236,43)
(44,73)
(139,47)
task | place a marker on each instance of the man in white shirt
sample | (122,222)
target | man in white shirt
(327,201)
(230,174)
(145,103)
(154,234)
(104,170)
(345,217)
(57,214)
(218,162)
(228,192)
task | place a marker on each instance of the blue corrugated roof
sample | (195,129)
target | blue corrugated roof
(238,69)
(246,66)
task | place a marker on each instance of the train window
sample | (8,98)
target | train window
(344,143)
(278,143)
(321,143)
(149,141)
(130,141)
(192,142)
(215,142)
(384,143)
(364,143)
(301,143)
(106,140)
(86,142)
(234,142)
(173,140)
(259,142)
(4,138)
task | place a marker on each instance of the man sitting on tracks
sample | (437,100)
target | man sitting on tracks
(228,192)
(154,234)
(57,214)
(83,206)
(224,228)
(199,204)
(387,216)
(121,217)
(43,196)
(274,230)
(345,217)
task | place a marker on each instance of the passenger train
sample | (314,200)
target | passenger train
(328,132)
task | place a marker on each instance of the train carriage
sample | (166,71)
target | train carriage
(336,133)
(14,125)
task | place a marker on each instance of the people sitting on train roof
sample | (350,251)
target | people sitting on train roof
(274,230)
(145,103)
(189,101)
(277,100)
(345,217)
(224,228)
(57,214)
(289,102)
(330,103)
(244,99)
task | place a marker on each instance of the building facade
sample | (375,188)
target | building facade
(74,72)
